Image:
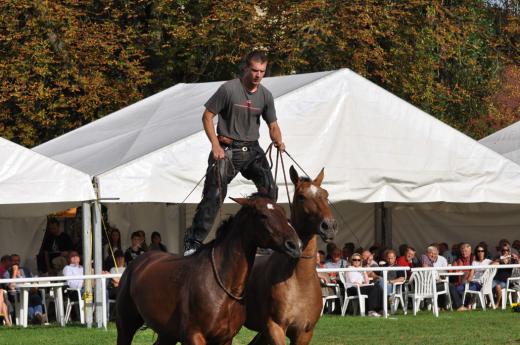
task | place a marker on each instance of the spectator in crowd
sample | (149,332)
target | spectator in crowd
(476,274)
(5,316)
(322,255)
(465,259)
(113,287)
(156,242)
(111,247)
(432,258)
(367,260)
(445,251)
(143,244)
(348,250)
(74,269)
(486,249)
(55,248)
(503,242)
(515,247)
(408,260)
(16,271)
(390,259)
(323,277)
(5,263)
(356,278)
(135,249)
(500,280)
(402,249)
(455,251)
(330,247)
(113,244)
(335,262)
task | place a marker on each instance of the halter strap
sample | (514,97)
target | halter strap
(219,281)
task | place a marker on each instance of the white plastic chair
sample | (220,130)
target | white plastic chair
(80,303)
(358,296)
(331,298)
(487,288)
(512,287)
(423,285)
(396,297)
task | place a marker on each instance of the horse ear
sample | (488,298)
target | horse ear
(320,176)
(240,201)
(294,175)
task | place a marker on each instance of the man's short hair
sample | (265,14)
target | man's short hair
(53,220)
(432,249)
(135,234)
(5,258)
(255,55)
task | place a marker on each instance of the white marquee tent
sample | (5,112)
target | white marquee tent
(32,186)
(505,141)
(435,183)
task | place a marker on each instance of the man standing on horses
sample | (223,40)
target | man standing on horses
(239,103)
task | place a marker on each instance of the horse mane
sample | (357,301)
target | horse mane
(223,229)
(305,179)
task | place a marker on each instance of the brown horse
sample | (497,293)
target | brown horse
(198,299)
(283,295)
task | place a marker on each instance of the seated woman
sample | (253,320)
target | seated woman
(500,280)
(356,278)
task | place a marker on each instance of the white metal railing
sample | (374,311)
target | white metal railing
(385,271)
(101,277)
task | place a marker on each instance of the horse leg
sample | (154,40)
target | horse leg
(303,338)
(276,334)
(128,318)
(195,339)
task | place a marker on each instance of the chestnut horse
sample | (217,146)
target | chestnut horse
(288,289)
(198,299)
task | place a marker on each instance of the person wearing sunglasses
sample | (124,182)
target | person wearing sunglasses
(357,278)
(500,280)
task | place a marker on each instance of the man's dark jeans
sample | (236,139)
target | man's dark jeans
(249,159)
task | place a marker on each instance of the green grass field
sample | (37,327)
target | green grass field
(476,327)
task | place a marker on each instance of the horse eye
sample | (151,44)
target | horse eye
(300,197)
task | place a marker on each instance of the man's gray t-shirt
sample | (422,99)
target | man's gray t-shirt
(239,110)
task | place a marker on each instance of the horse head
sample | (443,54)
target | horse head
(311,213)
(270,227)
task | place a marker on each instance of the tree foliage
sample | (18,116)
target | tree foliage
(72,61)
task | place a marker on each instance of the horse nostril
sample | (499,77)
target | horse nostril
(324,225)
(290,245)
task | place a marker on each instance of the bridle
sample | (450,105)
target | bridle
(219,280)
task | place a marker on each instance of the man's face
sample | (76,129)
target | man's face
(465,252)
(54,229)
(254,73)
(390,259)
(15,260)
(433,255)
(410,254)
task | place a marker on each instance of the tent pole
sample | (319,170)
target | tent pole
(378,222)
(182,226)
(387,241)
(87,262)
(98,258)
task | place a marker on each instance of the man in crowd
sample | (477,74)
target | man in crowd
(135,249)
(239,104)
(55,248)
(16,271)
(74,269)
